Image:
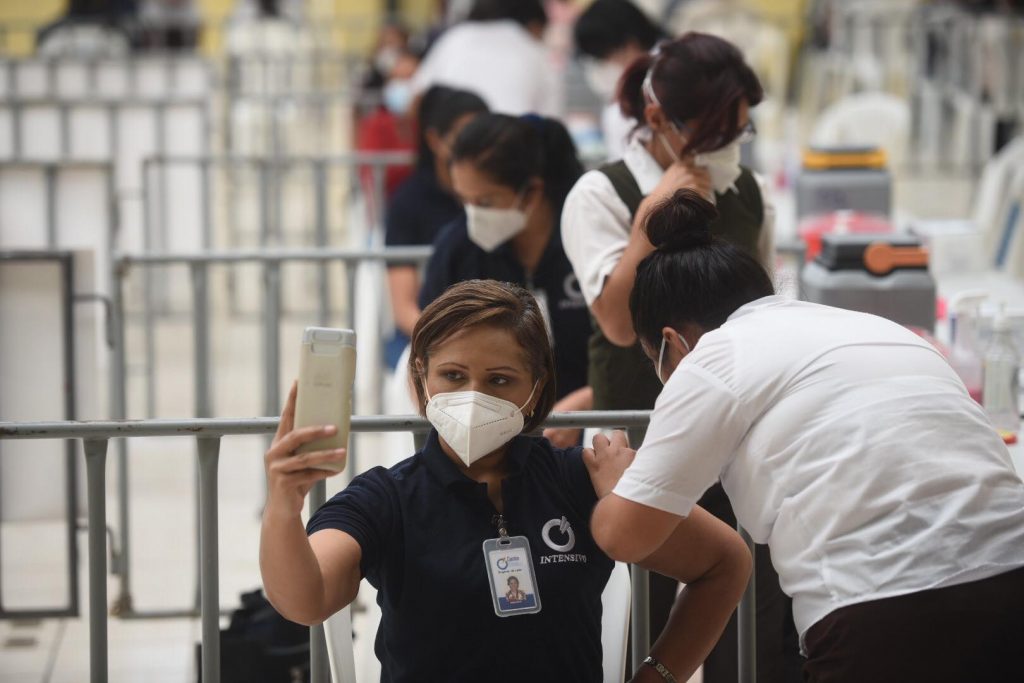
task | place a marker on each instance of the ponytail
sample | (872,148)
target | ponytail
(692,276)
(513,150)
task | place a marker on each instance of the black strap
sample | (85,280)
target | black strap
(625,185)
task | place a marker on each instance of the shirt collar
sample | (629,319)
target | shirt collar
(448,473)
(756,305)
(642,165)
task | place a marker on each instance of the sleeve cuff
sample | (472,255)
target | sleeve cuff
(658,498)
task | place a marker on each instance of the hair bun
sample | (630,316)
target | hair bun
(681,222)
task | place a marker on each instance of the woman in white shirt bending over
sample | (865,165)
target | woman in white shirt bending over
(846,443)
(691,101)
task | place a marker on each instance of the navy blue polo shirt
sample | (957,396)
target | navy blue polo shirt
(418,210)
(421,527)
(457,258)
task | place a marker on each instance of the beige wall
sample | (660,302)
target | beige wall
(356,20)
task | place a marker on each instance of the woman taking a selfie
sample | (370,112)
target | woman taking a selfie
(480,503)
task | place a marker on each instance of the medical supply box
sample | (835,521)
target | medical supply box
(886,275)
(833,179)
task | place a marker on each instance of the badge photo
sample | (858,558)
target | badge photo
(512,580)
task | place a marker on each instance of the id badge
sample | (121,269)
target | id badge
(510,571)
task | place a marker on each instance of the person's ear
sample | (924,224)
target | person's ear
(671,337)
(532,195)
(655,117)
(435,142)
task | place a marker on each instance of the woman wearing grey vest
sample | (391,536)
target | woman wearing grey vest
(691,100)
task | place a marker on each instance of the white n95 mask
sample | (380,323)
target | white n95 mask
(723,166)
(475,424)
(489,227)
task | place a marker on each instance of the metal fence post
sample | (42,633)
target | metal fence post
(118,411)
(271,336)
(209,574)
(201,386)
(640,594)
(320,182)
(319,663)
(96,462)
(746,619)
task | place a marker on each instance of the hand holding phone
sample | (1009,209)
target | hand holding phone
(326,373)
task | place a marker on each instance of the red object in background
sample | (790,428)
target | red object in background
(381,131)
(839,222)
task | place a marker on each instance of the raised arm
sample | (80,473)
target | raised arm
(306,578)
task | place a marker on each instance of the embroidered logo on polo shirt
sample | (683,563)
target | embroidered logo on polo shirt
(564,532)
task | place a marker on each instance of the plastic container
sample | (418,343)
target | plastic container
(885,276)
(1002,365)
(965,355)
(834,179)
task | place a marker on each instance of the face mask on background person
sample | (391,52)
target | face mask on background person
(602,77)
(490,227)
(397,96)
(723,166)
(475,424)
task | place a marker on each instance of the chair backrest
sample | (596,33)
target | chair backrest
(872,119)
(615,623)
(338,633)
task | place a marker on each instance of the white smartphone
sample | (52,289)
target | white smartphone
(327,370)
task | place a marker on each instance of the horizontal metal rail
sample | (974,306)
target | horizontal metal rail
(391,254)
(208,432)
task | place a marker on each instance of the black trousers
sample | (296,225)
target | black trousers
(778,647)
(970,633)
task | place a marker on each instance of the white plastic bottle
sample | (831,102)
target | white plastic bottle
(1001,377)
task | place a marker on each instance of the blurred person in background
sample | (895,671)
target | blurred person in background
(425,202)
(392,44)
(389,126)
(610,35)
(512,175)
(89,29)
(691,102)
(497,53)
(168,25)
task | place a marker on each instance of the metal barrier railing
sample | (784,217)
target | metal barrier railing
(162,76)
(96,435)
(63,261)
(270,359)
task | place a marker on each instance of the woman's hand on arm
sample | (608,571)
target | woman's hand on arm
(698,550)
(404,284)
(581,399)
(297,570)
(611,308)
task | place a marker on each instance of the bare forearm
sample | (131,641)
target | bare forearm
(291,573)
(612,307)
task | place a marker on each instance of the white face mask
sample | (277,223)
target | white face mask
(723,166)
(475,424)
(661,354)
(490,227)
(602,77)
(397,96)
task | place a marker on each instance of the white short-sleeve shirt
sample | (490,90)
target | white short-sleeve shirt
(498,60)
(596,223)
(844,442)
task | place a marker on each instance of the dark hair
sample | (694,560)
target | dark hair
(697,76)
(525,12)
(608,25)
(512,150)
(439,109)
(692,276)
(490,303)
